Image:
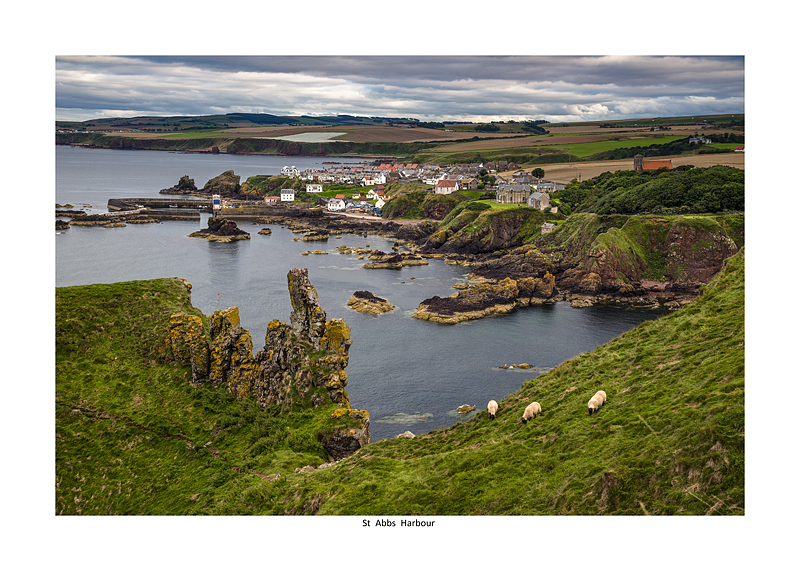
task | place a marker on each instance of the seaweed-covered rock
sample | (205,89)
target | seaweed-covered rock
(366,302)
(489,298)
(221,230)
(394,261)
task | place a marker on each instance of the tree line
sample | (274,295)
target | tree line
(683,190)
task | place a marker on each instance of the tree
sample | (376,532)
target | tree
(538,172)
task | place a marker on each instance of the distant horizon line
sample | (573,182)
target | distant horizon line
(310,116)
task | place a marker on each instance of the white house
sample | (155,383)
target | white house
(446,186)
(313,188)
(335,204)
(290,171)
(287,195)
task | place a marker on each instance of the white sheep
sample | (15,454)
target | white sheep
(598,400)
(531,411)
(492,408)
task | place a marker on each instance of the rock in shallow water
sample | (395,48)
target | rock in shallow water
(366,302)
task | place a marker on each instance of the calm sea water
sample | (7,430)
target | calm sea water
(409,374)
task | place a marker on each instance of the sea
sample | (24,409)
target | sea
(409,374)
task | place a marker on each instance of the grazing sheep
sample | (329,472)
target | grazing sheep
(531,411)
(492,408)
(598,400)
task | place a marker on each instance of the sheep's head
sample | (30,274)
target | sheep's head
(524,420)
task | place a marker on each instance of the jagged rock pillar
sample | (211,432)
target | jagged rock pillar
(307,316)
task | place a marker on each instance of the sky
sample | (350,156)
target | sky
(424,87)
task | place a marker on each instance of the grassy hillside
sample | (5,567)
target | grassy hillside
(133,437)
(670,439)
(417,205)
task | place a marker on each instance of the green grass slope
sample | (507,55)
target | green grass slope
(133,436)
(670,439)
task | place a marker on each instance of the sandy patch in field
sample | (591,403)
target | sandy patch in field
(566,172)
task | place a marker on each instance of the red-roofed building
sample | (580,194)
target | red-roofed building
(640,165)
(446,186)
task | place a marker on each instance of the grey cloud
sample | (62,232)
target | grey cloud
(431,87)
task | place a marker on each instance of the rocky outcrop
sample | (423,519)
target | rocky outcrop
(649,261)
(487,231)
(221,230)
(488,298)
(366,302)
(302,364)
(225,184)
(187,339)
(394,261)
(307,315)
(465,408)
(185,186)
(316,236)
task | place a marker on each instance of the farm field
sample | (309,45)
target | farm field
(354,133)
(565,172)
(579,145)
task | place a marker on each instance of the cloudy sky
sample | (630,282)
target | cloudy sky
(429,88)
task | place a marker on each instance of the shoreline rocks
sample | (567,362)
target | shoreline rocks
(490,298)
(394,261)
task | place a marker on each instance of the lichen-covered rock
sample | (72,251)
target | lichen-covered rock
(231,349)
(186,339)
(465,408)
(307,315)
(366,302)
(301,365)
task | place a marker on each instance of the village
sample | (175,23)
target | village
(518,187)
